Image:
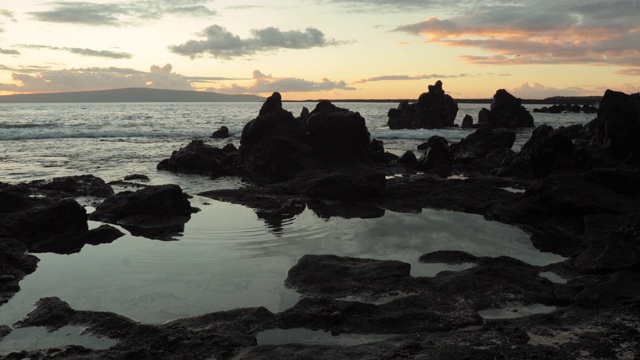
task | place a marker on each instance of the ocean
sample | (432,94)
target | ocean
(227,257)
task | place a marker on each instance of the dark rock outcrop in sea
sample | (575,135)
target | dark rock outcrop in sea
(561,108)
(277,146)
(200,158)
(157,212)
(434,109)
(506,111)
(221,133)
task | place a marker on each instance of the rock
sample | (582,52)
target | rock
(338,136)
(276,147)
(272,106)
(433,110)
(15,264)
(340,186)
(437,153)
(409,160)
(158,212)
(467,122)
(73,186)
(482,144)
(104,234)
(139,177)
(506,112)
(4,331)
(47,225)
(544,152)
(610,243)
(200,158)
(617,127)
(221,133)
(303,113)
(322,274)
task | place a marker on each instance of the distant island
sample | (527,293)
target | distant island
(128,95)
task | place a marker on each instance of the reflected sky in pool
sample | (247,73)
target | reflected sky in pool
(228,258)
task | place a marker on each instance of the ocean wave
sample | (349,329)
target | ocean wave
(43,135)
(28,126)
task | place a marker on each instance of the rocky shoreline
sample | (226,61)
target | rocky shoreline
(575,190)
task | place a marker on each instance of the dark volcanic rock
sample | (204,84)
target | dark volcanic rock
(434,109)
(506,112)
(277,146)
(47,226)
(15,264)
(617,127)
(321,274)
(104,234)
(545,151)
(157,212)
(221,133)
(408,159)
(337,136)
(72,186)
(139,177)
(467,122)
(436,153)
(200,158)
(610,243)
(215,335)
(483,144)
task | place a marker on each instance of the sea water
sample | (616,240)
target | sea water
(227,257)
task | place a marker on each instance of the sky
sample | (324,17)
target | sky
(322,49)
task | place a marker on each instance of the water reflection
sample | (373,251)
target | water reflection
(227,259)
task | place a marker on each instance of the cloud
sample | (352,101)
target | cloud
(408,77)
(221,43)
(630,72)
(244,7)
(120,13)
(263,83)
(539,91)
(541,32)
(9,52)
(83,51)
(28,80)
(7,14)
(392,5)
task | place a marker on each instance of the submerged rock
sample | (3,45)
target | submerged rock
(434,109)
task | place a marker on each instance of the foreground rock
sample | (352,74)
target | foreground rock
(506,111)
(617,127)
(433,110)
(157,212)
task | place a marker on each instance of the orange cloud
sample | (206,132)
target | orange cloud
(544,32)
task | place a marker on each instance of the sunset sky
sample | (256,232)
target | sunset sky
(311,49)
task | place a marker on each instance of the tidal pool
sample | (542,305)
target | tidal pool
(229,258)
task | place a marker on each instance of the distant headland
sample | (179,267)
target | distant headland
(161,95)
(128,95)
